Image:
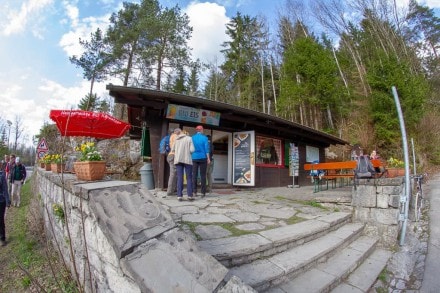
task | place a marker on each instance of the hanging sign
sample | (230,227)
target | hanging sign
(191,114)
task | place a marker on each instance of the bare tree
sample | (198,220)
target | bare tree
(17,131)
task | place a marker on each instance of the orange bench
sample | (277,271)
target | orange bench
(334,170)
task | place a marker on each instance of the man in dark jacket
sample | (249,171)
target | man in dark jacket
(200,159)
(17,176)
(4,203)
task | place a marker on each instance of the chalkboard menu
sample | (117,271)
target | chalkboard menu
(244,163)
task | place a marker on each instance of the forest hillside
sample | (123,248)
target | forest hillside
(330,65)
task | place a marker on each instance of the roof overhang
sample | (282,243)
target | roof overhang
(233,118)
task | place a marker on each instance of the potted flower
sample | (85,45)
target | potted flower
(395,167)
(57,163)
(43,160)
(46,160)
(90,166)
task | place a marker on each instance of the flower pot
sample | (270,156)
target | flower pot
(89,170)
(395,172)
(47,167)
(57,167)
(42,165)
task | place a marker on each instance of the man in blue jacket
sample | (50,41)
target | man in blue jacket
(200,158)
(4,203)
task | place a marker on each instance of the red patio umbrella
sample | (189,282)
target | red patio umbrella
(87,123)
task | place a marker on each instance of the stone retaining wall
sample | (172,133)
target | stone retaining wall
(376,203)
(120,239)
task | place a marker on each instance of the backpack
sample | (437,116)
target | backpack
(315,172)
(364,167)
(164,145)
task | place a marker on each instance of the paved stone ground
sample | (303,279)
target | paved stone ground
(250,209)
(407,265)
(257,209)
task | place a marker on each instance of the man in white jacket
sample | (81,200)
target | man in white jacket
(183,148)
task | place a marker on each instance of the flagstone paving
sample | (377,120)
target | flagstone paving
(250,210)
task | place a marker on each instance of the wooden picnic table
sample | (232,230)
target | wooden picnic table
(332,171)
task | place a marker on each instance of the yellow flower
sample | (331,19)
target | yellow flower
(47,159)
(89,152)
(395,163)
(58,158)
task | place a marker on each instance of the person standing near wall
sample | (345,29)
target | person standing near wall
(210,167)
(172,180)
(17,176)
(200,159)
(183,147)
(5,163)
(5,168)
(4,203)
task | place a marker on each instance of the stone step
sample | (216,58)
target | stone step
(364,277)
(263,274)
(233,251)
(328,275)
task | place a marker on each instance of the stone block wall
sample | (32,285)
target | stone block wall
(86,237)
(117,238)
(376,203)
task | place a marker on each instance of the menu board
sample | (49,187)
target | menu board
(244,158)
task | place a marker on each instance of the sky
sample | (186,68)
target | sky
(37,37)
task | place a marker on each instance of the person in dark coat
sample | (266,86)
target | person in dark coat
(4,203)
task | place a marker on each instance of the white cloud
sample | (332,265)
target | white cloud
(80,28)
(429,3)
(16,21)
(31,97)
(72,13)
(209,24)
(432,3)
(83,28)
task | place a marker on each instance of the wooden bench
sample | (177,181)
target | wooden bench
(332,171)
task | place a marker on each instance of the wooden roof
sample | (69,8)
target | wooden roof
(233,118)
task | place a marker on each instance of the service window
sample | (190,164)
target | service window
(312,154)
(269,151)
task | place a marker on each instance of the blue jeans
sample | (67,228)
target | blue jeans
(187,170)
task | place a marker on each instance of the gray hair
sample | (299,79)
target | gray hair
(177,130)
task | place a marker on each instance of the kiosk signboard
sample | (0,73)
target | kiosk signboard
(185,113)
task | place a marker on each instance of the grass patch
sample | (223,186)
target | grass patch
(315,204)
(383,275)
(26,261)
(227,226)
(294,219)
(258,202)
(192,227)
(312,203)
(234,230)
